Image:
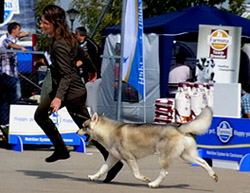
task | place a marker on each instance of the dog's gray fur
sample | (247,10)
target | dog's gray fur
(130,142)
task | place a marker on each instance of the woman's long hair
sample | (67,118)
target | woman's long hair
(57,16)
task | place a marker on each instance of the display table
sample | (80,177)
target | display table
(227,139)
(24,130)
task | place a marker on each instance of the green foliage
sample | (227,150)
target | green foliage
(91,10)
(42,39)
(236,7)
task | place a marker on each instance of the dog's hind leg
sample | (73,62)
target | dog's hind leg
(165,159)
(193,157)
(109,163)
(168,150)
(135,170)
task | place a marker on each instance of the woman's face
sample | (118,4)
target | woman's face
(47,27)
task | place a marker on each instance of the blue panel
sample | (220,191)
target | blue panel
(227,139)
(24,61)
(69,139)
(245,163)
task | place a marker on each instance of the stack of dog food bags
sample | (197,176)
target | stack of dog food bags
(164,111)
(197,99)
(183,103)
(191,99)
(210,95)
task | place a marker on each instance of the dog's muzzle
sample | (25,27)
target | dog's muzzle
(82,131)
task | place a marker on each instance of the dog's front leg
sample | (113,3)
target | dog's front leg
(135,170)
(109,163)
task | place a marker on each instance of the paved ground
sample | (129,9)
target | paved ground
(27,172)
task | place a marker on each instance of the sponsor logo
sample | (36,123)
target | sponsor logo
(219,40)
(224,132)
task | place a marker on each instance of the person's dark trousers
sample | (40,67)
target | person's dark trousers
(8,96)
(47,125)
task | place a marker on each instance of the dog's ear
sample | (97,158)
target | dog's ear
(203,60)
(94,117)
(212,63)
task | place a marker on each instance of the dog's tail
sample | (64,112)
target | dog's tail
(200,124)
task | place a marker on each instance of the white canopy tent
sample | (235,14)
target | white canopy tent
(130,111)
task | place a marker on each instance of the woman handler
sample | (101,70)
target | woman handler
(67,87)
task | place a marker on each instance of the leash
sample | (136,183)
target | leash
(71,113)
(78,115)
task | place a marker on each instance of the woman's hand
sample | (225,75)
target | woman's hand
(56,104)
(79,63)
(92,77)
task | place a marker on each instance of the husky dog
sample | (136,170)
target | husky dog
(130,142)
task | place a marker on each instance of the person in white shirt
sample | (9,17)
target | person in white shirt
(179,72)
(4,36)
(15,46)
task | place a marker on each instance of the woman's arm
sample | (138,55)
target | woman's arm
(61,56)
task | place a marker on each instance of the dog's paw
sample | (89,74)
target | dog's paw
(143,178)
(146,179)
(153,185)
(93,177)
(215,178)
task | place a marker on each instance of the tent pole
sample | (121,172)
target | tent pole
(145,89)
(105,10)
(145,106)
(119,97)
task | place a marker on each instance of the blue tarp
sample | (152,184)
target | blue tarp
(188,20)
(184,21)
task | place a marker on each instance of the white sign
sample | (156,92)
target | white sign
(11,7)
(218,53)
(22,121)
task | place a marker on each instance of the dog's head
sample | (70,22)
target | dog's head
(205,63)
(89,125)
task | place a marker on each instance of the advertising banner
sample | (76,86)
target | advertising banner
(11,7)
(133,65)
(226,139)
(218,54)
(21,11)
(22,124)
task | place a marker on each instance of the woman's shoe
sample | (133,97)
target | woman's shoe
(58,156)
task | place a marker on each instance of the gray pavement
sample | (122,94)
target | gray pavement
(27,172)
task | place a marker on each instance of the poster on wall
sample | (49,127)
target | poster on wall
(218,54)
(11,7)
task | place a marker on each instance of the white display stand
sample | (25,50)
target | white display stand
(24,130)
(227,100)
